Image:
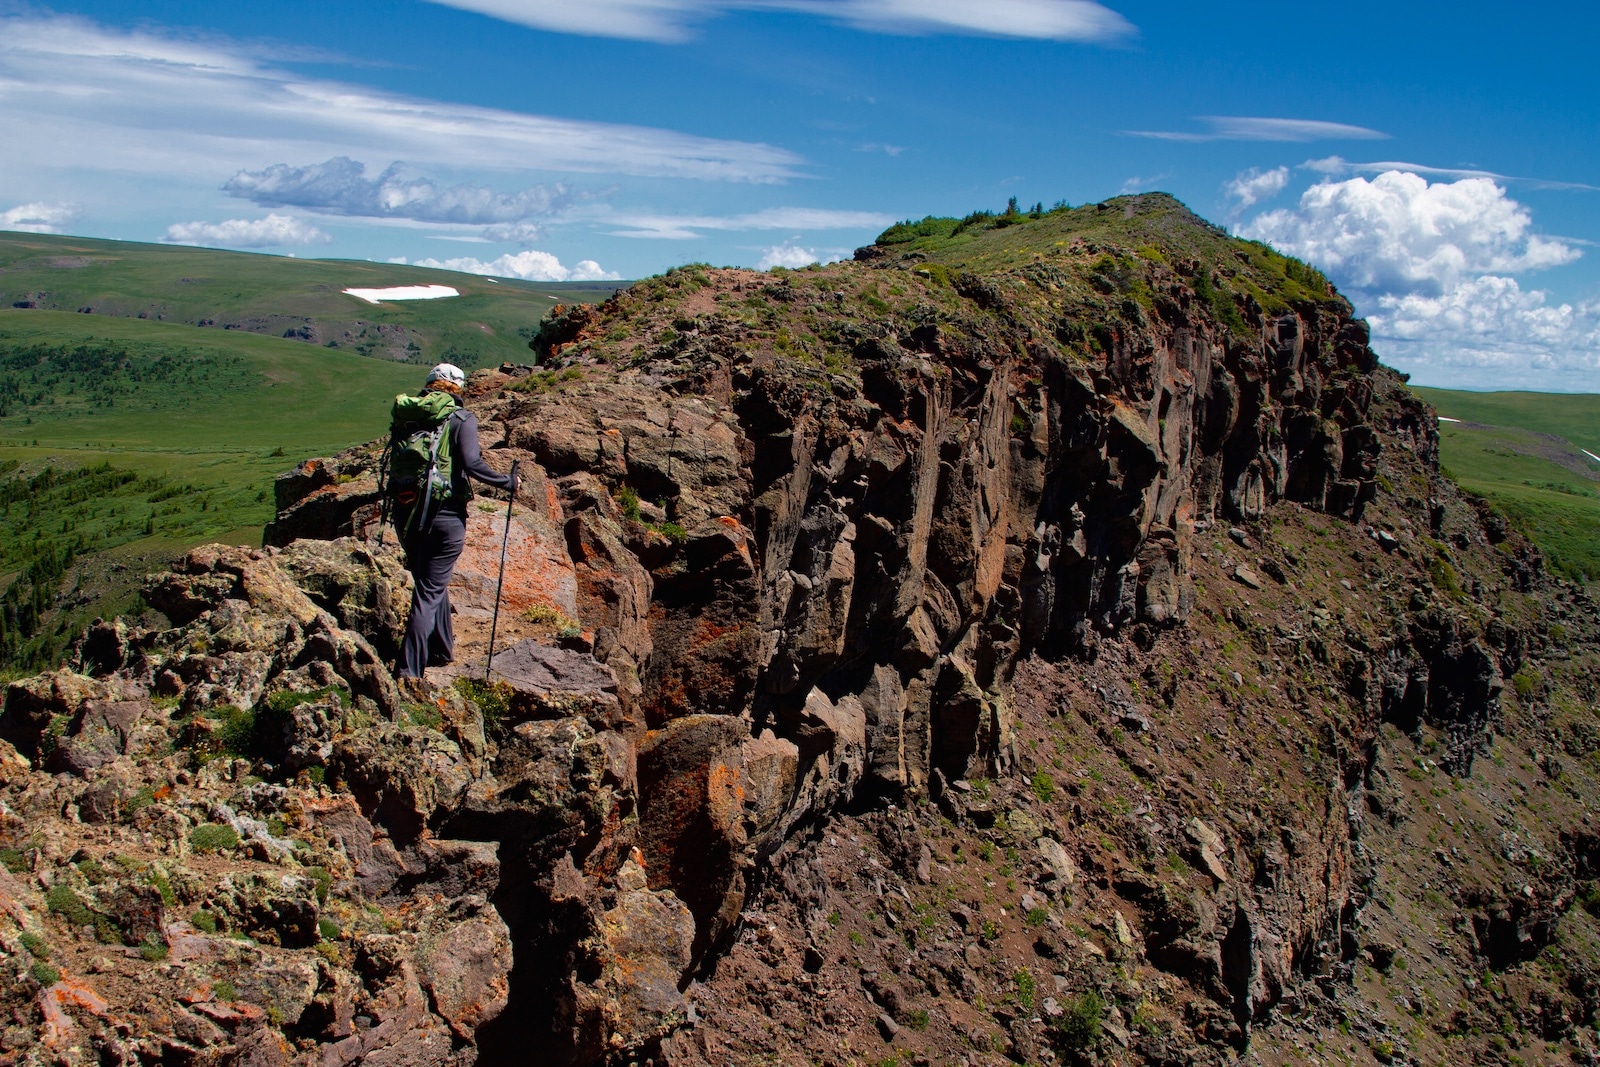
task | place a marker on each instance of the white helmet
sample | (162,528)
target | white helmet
(446,372)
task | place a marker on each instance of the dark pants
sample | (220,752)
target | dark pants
(431,556)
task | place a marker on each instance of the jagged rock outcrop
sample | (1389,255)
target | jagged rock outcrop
(882,547)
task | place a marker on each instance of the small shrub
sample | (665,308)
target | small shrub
(493,699)
(213,837)
(1589,898)
(427,716)
(45,974)
(223,989)
(545,615)
(1027,988)
(13,860)
(917,1019)
(1037,916)
(108,932)
(204,921)
(284,701)
(323,881)
(628,501)
(35,945)
(62,901)
(328,930)
(1080,1022)
(164,887)
(1044,787)
(152,950)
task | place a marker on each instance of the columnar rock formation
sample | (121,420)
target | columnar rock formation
(787,546)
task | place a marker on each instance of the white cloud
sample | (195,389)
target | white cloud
(341,187)
(1138,184)
(1489,331)
(271,231)
(1430,266)
(76,94)
(1398,232)
(794,257)
(37,218)
(777,218)
(674,20)
(529,266)
(522,233)
(1339,165)
(1252,186)
(1240,128)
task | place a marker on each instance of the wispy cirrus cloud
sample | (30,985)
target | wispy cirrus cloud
(271,232)
(671,21)
(1242,128)
(680,227)
(37,217)
(1339,165)
(76,94)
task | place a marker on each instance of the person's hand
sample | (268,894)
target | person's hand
(516,479)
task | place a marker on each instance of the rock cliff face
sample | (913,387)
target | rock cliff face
(1036,543)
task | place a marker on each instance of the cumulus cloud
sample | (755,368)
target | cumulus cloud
(1241,128)
(272,231)
(1252,186)
(674,20)
(529,266)
(37,217)
(74,93)
(675,227)
(791,255)
(1430,264)
(1398,232)
(341,187)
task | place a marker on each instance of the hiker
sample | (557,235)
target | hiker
(433,520)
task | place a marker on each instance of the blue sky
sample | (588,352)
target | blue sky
(1440,165)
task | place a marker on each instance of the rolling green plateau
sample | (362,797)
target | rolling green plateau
(278,296)
(1524,452)
(122,440)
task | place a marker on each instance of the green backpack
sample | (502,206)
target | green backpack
(418,472)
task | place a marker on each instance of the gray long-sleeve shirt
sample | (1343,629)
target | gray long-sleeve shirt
(468,461)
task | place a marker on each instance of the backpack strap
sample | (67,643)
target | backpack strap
(433,461)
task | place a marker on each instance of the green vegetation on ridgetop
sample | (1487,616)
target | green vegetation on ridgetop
(278,296)
(1524,453)
(1124,239)
(122,439)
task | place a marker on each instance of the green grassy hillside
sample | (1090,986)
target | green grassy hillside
(1524,451)
(124,440)
(1126,234)
(491,321)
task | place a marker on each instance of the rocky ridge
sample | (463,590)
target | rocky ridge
(1001,647)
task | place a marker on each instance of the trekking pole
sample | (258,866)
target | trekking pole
(511,502)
